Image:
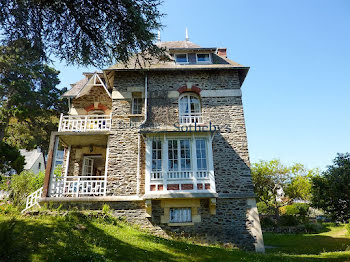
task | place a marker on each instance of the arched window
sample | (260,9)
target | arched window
(190,110)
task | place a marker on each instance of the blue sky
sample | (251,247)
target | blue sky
(296,95)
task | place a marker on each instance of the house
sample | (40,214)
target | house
(34,160)
(164,144)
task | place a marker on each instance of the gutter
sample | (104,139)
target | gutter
(138,175)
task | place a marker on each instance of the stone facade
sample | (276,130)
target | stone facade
(225,212)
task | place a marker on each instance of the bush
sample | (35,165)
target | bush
(313,228)
(296,209)
(24,184)
(348,227)
(267,222)
(264,209)
(287,220)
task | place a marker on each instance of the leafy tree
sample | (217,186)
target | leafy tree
(29,97)
(331,190)
(84,32)
(10,158)
(272,178)
(268,178)
(300,183)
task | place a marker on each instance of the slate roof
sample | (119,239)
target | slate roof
(30,157)
(150,63)
(76,87)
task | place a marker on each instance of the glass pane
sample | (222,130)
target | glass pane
(182,58)
(203,57)
(184,105)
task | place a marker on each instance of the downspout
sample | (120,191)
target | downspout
(139,140)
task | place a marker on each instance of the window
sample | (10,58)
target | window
(156,155)
(190,111)
(180,215)
(39,166)
(181,58)
(179,150)
(137,103)
(203,58)
(201,153)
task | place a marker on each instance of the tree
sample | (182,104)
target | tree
(268,178)
(28,92)
(84,32)
(271,178)
(331,190)
(10,158)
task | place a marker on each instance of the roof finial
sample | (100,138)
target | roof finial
(158,38)
(187,39)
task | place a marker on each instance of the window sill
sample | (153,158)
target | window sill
(136,115)
(181,224)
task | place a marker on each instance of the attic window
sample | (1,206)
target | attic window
(203,58)
(181,58)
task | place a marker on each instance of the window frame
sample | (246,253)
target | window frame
(176,55)
(139,104)
(184,216)
(204,62)
(188,96)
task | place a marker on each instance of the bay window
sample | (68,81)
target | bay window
(180,163)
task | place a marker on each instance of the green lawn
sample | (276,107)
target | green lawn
(60,239)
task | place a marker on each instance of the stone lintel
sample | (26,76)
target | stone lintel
(238,196)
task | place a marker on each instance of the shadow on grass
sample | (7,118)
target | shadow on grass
(304,243)
(77,238)
(25,240)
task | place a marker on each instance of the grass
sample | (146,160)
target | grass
(77,238)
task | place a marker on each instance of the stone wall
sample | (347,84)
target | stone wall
(96,94)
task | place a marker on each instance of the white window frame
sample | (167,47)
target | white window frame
(190,118)
(181,63)
(161,177)
(180,215)
(140,105)
(204,62)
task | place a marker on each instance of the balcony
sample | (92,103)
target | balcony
(84,123)
(192,118)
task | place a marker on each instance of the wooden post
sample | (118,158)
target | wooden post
(49,165)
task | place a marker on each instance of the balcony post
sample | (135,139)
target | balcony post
(60,124)
(85,122)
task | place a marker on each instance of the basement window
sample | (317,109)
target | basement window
(181,58)
(180,215)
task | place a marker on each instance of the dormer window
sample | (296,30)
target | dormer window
(203,58)
(181,58)
(190,110)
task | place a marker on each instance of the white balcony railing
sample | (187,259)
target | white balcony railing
(75,186)
(191,118)
(85,123)
(199,180)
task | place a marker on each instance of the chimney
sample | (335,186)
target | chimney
(222,52)
(187,38)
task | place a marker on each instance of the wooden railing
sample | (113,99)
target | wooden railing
(33,198)
(79,186)
(85,123)
(165,178)
(191,118)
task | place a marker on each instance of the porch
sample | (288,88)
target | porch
(79,166)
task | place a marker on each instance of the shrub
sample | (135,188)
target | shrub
(287,220)
(348,227)
(24,184)
(267,222)
(313,228)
